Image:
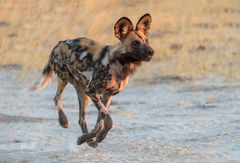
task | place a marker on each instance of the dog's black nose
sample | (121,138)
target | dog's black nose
(151,51)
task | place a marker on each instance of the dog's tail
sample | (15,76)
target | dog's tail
(46,79)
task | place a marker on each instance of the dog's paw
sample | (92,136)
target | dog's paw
(101,135)
(92,143)
(81,140)
(63,121)
(84,138)
(107,126)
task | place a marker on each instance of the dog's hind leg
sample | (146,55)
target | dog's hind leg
(63,121)
(83,103)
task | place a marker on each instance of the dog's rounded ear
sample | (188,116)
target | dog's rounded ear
(122,27)
(144,24)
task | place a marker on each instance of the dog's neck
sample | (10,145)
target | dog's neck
(118,55)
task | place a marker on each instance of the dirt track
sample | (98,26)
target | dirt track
(166,120)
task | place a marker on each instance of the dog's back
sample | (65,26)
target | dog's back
(76,58)
(72,58)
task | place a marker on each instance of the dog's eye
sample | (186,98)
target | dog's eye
(136,43)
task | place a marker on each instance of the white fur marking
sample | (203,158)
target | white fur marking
(69,41)
(41,84)
(105,59)
(83,54)
(88,74)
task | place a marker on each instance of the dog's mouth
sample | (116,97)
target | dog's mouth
(148,58)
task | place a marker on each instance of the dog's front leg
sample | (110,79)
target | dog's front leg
(104,122)
(102,106)
(98,102)
(107,99)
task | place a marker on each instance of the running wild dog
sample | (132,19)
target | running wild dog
(97,72)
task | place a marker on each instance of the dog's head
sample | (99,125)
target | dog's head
(135,42)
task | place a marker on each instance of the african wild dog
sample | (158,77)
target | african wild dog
(97,71)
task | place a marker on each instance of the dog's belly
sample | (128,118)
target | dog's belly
(102,81)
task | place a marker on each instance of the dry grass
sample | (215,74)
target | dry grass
(191,38)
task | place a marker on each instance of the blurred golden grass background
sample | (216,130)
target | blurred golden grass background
(191,38)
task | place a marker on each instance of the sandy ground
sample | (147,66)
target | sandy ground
(164,120)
